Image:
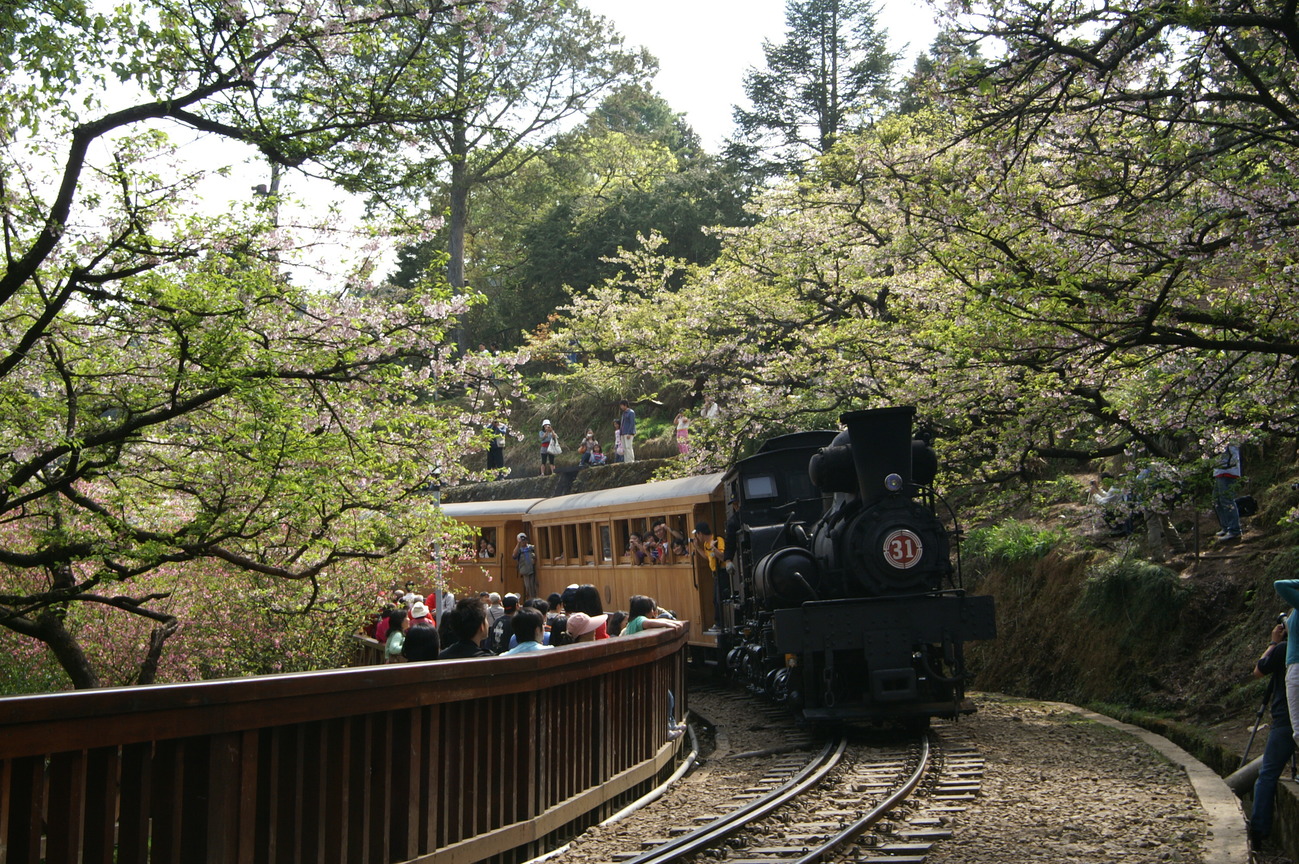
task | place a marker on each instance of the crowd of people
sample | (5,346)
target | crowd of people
(1150,496)
(488,625)
(662,545)
(622,442)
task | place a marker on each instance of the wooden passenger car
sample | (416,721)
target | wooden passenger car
(583,539)
(498,524)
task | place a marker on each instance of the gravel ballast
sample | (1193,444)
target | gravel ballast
(1061,785)
(1065,786)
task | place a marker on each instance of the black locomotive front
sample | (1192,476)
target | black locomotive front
(846,604)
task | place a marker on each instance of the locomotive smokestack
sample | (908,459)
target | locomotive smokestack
(881,446)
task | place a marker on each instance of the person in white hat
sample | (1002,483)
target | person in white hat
(549,447)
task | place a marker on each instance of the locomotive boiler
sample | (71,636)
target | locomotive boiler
(844,602)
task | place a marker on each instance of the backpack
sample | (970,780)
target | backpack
(527,561)
(498,638)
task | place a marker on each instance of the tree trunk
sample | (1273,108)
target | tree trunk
(66,650)
(157,639)
(459,217)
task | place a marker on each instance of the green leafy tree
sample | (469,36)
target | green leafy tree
(833,73)
(540,64)
(632,168)
(167,394)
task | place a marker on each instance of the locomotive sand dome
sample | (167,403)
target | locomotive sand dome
(848,606)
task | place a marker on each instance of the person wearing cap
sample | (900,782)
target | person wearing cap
(525,557)
(420,614)
(713,550)
(549,446)
(586,601)
(584,628)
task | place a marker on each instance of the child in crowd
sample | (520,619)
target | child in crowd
(643,614)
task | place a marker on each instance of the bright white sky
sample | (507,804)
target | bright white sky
(704,47)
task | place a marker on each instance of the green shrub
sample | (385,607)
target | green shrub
(1012,541)
(1143,593)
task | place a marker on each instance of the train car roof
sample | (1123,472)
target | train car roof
(700,487)
(812,438)
(503,507)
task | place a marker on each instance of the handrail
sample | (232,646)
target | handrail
(449,761)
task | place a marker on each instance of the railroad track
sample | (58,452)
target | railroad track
(886,805)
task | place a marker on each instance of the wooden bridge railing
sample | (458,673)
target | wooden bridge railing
(447,762)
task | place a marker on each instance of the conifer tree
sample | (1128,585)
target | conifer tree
(833,73)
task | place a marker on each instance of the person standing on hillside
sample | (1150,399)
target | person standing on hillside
(1226,477)
(496,448)
(710,409)
(1280,745)
(683,432)
(627,431)
(549,447)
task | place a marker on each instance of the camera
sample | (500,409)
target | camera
(1283,617)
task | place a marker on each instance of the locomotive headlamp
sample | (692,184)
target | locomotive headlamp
(893,483)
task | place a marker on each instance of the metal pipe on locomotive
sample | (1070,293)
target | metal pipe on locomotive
(843,601)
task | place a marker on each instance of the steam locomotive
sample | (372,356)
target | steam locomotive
(844,603)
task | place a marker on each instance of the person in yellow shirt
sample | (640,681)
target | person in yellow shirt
(713,550)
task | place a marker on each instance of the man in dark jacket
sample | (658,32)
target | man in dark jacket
(466,623)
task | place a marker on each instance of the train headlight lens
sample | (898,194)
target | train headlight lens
(893,483)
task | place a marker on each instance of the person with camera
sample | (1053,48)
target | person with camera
(1280,745)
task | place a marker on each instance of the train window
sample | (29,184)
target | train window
(800,486)
(680,533)
(626,528)
(542,542)
(487,544)
(586,537)
(759,486)
(568,553)
(606,543)
(669,539)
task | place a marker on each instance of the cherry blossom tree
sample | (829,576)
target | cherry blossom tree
(172,388)
(1137,197)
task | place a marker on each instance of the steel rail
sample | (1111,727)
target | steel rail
(856,829)
(731,823)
